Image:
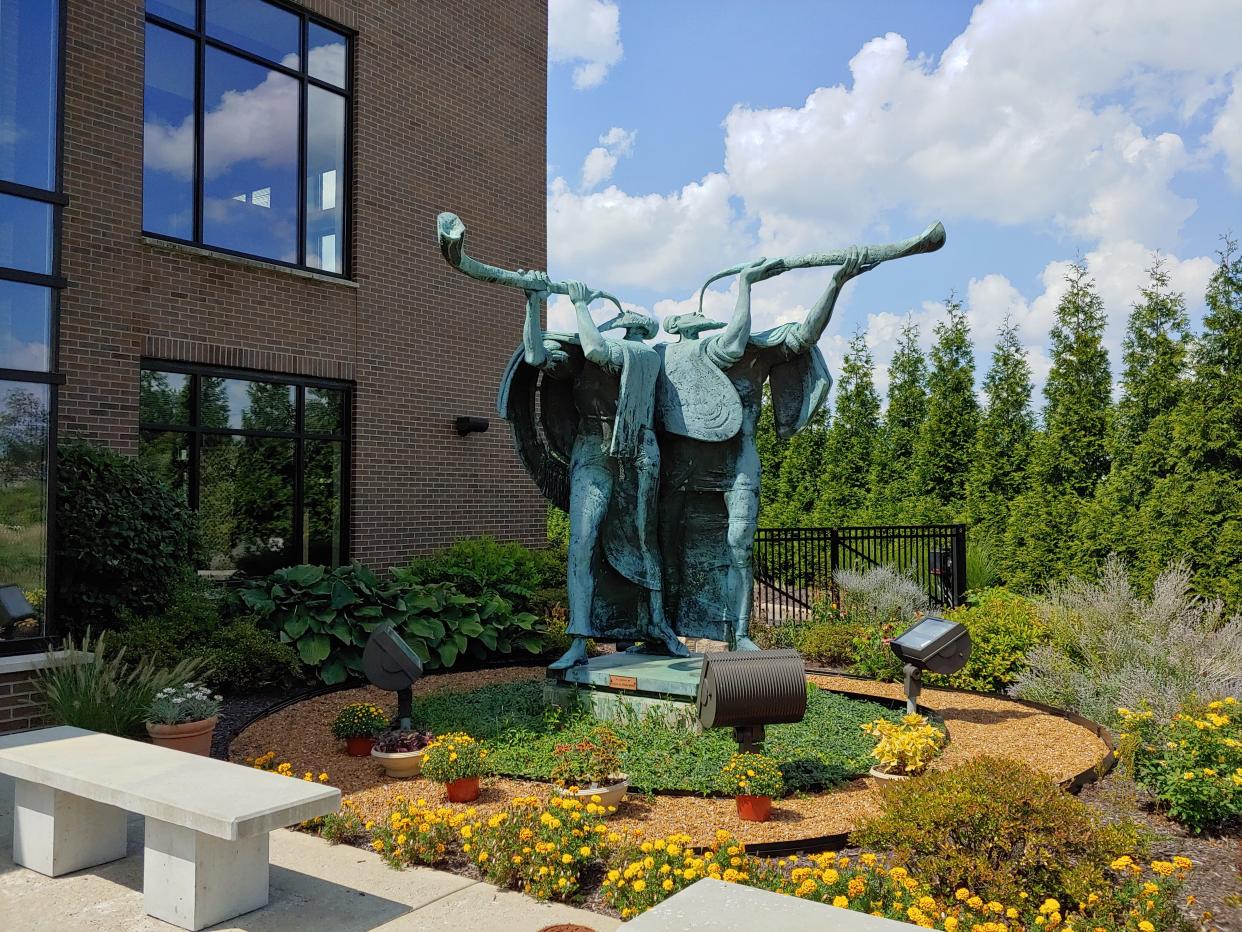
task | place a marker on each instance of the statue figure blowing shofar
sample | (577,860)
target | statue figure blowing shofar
(595,406)
(708,402)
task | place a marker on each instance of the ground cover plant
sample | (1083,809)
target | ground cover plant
(827,747)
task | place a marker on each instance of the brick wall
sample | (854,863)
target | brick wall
(19,710)
(449,114)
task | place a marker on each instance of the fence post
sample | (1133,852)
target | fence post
(959,564)
(834,544)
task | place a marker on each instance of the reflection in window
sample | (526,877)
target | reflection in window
(23,492)
(29,42)
(238,186)
(25,326)
(25,234)
(234,447)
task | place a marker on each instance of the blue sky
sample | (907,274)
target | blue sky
(685,137)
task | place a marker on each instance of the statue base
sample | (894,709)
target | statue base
(621,685)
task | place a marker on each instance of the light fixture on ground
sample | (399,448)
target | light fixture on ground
(749,689)
(390,664)
(934,644)
(14,606)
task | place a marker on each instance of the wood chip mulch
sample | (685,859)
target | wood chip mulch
(977,724)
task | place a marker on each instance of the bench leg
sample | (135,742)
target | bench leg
(57,833)
(194,880)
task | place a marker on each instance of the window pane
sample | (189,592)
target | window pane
(25,234)
(25,326)
(179,11)
(325,179)
(325,411)
(321,513)
(246,503)
(167,454)
(164,398)
(257,27)
(242,404)
(250,151)
(325,54)
(29,44)
(168,135)
(23,494)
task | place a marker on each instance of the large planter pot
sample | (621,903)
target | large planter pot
(754,808)
(610,794)
(359,747)
(193,737)
(884,775)
(465,790)
(402,764)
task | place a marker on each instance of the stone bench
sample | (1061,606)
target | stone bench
(207,821)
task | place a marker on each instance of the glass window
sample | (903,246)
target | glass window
(29,47)
(168,134)
(182,12)
(25,234)
(239,187)
(25,326)
(258,27)
(234,447)
(24,419)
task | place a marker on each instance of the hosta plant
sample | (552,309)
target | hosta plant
(904,747)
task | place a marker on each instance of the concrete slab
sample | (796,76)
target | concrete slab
(639,674)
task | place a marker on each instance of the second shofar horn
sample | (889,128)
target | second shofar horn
(452,235)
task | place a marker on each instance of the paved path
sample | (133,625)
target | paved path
(315,886)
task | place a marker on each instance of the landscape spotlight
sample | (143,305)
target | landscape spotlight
(748,689)
(932,644)
(14,606)
(390,664)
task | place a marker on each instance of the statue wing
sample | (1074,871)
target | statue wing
(541,413)
(799,385)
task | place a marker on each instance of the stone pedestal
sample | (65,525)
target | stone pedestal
(615,685)
(58,833)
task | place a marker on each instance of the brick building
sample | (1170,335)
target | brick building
(241,282)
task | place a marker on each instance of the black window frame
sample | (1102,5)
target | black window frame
(202,40)
(52,378)
(195,432)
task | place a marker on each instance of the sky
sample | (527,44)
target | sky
(688,136)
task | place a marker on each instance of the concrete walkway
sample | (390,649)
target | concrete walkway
(315,886)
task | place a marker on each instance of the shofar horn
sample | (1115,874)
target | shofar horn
(929,240)
(452,234)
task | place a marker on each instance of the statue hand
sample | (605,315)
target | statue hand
(761,269)
(855,264)
(539,280)
(580,293)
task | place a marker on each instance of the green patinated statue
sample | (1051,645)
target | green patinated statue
(651,450)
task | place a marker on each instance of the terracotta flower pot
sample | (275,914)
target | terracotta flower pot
(754,808)
(359,747)
(400,764)
(465,790)
(193,737)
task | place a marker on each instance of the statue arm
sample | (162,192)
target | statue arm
(821,313)
(594,346)
(532,331)
(728,347)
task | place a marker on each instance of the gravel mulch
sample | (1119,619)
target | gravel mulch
(977,725)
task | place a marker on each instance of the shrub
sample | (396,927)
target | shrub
(904,747)
(829,643)
(748,774)
(125,541)
(109,693)
(1193,763)
(593,761)
(998,828)
(359,720)
(454,756)
(1004,628)
(882,602)
(1111,648)
(329,614)
(481,565)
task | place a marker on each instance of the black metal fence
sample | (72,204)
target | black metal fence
(794,567)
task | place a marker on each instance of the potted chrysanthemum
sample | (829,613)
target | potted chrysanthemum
(592,767)
(903,749)
(401,752)
(184,718)
(753,779)
(457,761)
(357,725)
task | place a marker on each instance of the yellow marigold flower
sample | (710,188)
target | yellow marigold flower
(926,903)
(1121,863)
(856,886)
(377,845)
(868,859)
(640,885)
(975,902)
(1146,926)
(962,894)
(840,902)
(950,924)
(1163,868)
(668,883)
(1181,863)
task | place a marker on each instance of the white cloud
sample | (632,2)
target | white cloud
(1226,134)
(601,161)
(586,33)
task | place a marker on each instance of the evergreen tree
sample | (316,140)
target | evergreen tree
(844,477)
(1003,444)
(771,451)
(1069,457)
(797,485)
(948,434)
(892,471)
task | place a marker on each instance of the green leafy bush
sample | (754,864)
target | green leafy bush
(235,653)
(329,614)
(125,541)
(998,828)
(109,693)
(829,643)
(1192,763)
(479,565)
(1004,628)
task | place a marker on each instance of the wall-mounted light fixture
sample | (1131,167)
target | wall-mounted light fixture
(470,425)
